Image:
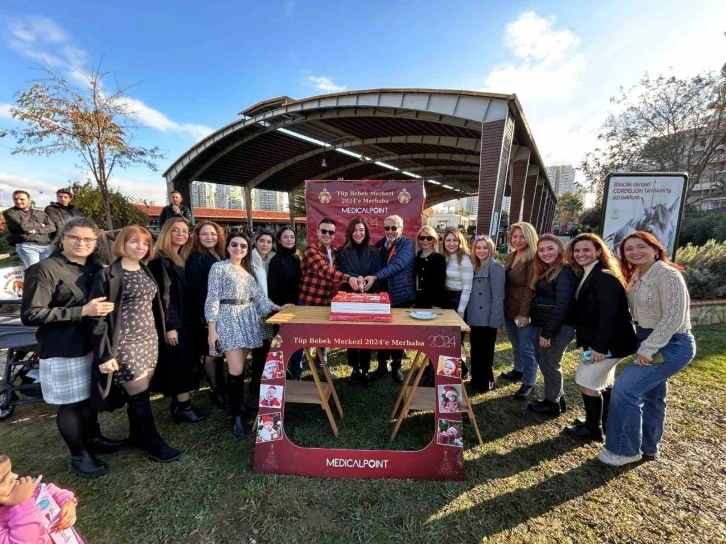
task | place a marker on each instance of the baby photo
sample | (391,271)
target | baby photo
(271,396)
(449,433)
(449,367)
(274,366)
(450,399)
(269,427)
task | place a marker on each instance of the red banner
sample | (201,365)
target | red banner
(373,200)
(441,459)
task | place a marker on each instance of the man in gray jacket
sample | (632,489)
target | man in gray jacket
(29,228)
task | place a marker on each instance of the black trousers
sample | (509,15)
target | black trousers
(395,355)
(359,359)
(259,355)
(482,340)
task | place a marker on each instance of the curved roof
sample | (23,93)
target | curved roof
(433,134)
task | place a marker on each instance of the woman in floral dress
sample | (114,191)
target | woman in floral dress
(235,309)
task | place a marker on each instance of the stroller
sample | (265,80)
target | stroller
(21,375)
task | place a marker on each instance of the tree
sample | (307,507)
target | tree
(89,122)
(666,124)
(569,206)
(89,200)
(591,217)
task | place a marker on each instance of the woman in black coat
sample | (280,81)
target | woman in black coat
(208,247)
(430,270)
(130,342)
(283,282)
(552,319)
(358,258)
(172,249)
(57,299)
(604,326)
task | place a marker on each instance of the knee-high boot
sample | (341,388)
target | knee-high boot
(214,372)
(142,429)
(236,385)
(605,407)
(591,429)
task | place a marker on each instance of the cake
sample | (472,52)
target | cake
(360,307)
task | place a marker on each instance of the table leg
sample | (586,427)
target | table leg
(471,414)
(321,393)
(407,401)
(406,381)
(329,378)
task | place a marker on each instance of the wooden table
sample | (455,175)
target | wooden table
(320,393)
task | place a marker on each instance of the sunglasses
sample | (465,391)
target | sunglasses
(326,231)
(394,228)
(238,244)
(425,238)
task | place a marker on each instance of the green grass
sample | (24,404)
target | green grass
(527,483)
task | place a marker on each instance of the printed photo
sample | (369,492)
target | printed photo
(269,427)
(274,366)
(271,396)
(450,399)
(449,367)
(449,433)
(276,341)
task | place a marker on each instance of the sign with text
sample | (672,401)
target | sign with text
(442,459)
(12,281)
(373,200)
(651,202)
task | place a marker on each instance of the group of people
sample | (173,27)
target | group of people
(614,308)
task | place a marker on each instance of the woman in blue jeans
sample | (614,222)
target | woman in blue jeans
(519,270)
(659,302)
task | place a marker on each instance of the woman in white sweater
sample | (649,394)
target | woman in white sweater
(262,254)
(459,279)
(659,301)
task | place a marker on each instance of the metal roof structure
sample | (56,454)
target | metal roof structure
(431,134)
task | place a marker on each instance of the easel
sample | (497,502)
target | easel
(413,399)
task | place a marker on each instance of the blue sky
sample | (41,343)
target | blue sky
(192,66)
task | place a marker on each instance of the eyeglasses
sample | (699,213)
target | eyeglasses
(425,238)
(394,228)
(326,231)
(238,244)
(180,231)
(79,240)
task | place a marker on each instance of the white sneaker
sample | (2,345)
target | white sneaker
(617,460)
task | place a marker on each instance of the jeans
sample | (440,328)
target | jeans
(638,401)
(550,360)
(522,339)
(31,253)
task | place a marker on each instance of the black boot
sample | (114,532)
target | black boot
(605,408)
(512,375)
(94,441)
(236,386)
(86,465)
(217,386)
(464,370)
(546,407)
(185,412)
(591,429)
(142,430)
(563,404)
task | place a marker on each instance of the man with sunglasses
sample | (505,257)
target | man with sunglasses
(320,275)
(396,279)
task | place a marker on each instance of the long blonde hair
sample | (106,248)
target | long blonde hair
(164,245)
(474,259)
(530,235)
(548,271)
(430,231)
(606,258)
(463,246)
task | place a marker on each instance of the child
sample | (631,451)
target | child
(22,519)
(449,400)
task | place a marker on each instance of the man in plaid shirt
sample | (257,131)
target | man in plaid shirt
(319,274)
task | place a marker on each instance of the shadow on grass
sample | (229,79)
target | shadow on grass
(510,509)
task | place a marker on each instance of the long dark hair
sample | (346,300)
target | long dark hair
(247,259)
(661,255)
(607,259)
(197,246)
(349,234)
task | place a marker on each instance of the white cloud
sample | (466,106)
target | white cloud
(547,66)
(5,111)
(40,191)
(42,40)
(289,7)
(152,118)
(325,84)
